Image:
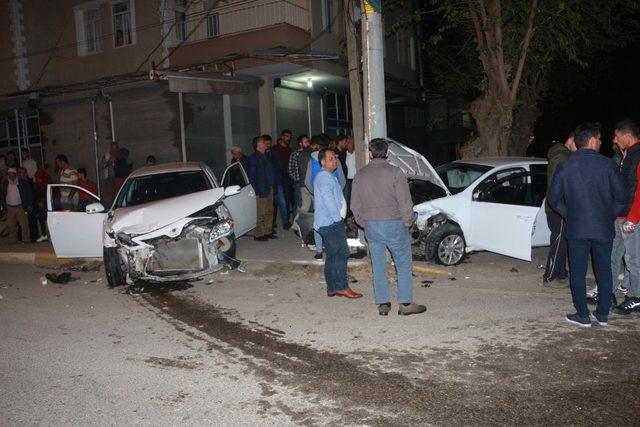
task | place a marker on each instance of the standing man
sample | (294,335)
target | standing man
(278,192)
(350,161)
(28,163)
(261,178)
(381,203)
(282,150)
(66,175)
(588,192)
(237,156)
(328,220)
(108,165)
(294,174)
(17,200)
(627,137)
(556,267)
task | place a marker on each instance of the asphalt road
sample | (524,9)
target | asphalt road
(267,347)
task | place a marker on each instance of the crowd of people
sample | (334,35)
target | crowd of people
(594,209)
(320,177)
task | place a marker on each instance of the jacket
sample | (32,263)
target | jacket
(380,192)
(26,193)
(260,174)
(314,167)
(588,192)
(628,168)
(556,155)
(303,161)
(276,167)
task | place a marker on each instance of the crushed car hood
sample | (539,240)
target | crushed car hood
(144,218)
(413,164)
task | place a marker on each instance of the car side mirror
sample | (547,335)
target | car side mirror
(94,208)
(231,190)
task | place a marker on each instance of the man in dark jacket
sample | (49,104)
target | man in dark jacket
(556,267)
(261,177)
(588,192)
(627,137)
(17,199)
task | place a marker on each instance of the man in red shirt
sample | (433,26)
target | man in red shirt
(83,198)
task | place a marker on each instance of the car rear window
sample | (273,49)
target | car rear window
(150,188)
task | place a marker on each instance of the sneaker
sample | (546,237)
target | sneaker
(384,309)
(42,238)
(630,305)
(271,236)
(318,255)
(602,320)
(623,290)
(413,308)
(260,239)
(593,293)
(286,226)
(594,300)
(583,322)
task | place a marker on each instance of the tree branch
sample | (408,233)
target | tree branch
(496,13)
(523,54)
(479,37)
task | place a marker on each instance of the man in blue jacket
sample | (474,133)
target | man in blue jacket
(588,192)
(261,177)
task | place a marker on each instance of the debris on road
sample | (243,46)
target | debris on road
(514,270)
(43,280)
(452,278)
(61,278)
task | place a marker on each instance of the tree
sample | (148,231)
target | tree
(515,44)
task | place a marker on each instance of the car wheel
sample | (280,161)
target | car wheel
(446,245)
(227,248)
(113,267)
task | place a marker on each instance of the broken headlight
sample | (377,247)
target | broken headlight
(125,239)
(221,229)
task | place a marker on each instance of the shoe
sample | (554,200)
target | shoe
(271,236)
(622,289)
(42,238)
(260,239)
(593,292)
(556,283)
(583,322)
(630,305)
(384,309)
(594,300)
(413,308)
(347,293)
(602,320)
(286,226)
(318,255)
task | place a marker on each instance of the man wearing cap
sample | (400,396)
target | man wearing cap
(17,200)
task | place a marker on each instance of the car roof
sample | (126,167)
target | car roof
(167,168)
(503,161)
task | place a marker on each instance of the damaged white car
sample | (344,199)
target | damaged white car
(168,222)
(492,204)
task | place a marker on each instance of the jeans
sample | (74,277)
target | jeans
(632,260)
(317,238)
(336,256)
(347,194)
(578,261)
(297,199)
(280,201)
(617,256)
(392,235)
(264,215)
(556,267)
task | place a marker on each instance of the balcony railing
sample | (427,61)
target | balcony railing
(241,16)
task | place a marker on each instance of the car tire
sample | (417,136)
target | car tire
(445,245)
(113,267)
(228,250)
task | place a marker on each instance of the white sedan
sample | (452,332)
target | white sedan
(492,204)
(168,222)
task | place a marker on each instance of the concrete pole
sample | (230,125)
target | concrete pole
(375,119)
(18,154)
(95,143)
(355,86)
(182,132)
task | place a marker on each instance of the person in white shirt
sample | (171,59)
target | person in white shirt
(350,161)
(28,163)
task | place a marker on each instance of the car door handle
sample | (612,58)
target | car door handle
(525,218)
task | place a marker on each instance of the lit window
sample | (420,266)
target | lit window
(122,23)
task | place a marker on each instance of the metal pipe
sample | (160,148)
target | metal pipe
(18,136)
(182,136)
(95,143)
(321,114)
(228,130)
(113,126)
(309,112)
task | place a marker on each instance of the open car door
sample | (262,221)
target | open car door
(242,205)
(74,233)
(503,214)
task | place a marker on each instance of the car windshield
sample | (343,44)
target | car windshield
(458,176)
(150,188)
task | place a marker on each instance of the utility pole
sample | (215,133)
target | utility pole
(353,56)
(373,70)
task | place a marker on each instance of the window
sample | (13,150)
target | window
(149,188)
(181,20)
(458,176)
(412,52)
(122,23)
(327,15)
(338,114)
(235,175)
(213,25)
(92,30)
(524,189)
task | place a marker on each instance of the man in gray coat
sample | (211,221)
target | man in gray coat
(381,203)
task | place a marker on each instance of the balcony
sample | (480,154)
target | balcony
(238,17)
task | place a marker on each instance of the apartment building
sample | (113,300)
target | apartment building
(180,79)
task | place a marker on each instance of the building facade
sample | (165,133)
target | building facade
(178,79)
